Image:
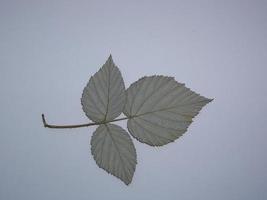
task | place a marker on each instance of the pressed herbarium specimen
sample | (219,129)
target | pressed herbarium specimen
(158,109)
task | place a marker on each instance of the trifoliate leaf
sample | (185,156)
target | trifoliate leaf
(103,98)
(114,151)
(160,109)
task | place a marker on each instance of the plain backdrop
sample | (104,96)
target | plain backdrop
(50,48)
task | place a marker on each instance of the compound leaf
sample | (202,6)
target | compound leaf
(160,109)
(114,151)
(103,98)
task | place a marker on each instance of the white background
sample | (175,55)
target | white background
(49,50)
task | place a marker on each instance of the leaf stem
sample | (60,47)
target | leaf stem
(46,125)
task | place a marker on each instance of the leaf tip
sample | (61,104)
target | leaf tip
(110,57)
(210,100)
(127,183)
